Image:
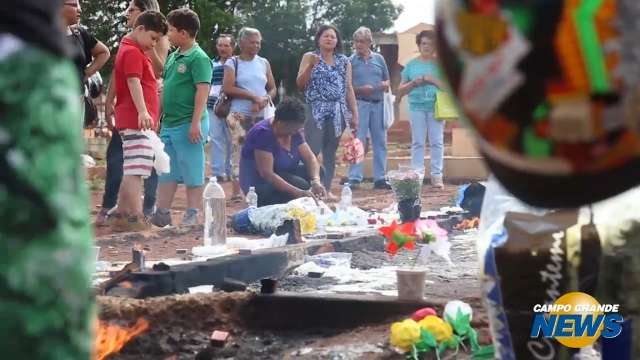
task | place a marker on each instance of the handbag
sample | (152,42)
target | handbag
(222,107)
(389,112)
(445,106)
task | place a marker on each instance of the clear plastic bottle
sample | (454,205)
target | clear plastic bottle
(252,198)
(346,196)
(215,226)
(281,91)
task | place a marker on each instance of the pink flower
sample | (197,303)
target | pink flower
(426,228)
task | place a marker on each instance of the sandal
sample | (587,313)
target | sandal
(102,218)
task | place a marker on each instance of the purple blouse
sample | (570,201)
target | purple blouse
(261,137)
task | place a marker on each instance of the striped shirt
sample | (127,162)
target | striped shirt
(216,82)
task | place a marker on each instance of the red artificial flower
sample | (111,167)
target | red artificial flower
(387,231)
(399,236)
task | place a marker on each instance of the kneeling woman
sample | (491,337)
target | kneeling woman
(277,161)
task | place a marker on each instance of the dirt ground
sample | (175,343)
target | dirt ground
(117,247)
(180,326)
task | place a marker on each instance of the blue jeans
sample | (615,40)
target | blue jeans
(220,146)
(371,116)
(115,160)
(424,123)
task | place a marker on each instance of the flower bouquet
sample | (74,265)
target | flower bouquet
(407,187)
(426,332)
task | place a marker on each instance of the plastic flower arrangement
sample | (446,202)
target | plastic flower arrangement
(308,221)
(424,235)
(399,236)
(407,187)
(426,332)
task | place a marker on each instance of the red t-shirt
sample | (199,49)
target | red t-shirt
(131,61)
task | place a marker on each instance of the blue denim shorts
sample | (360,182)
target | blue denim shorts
(187,159)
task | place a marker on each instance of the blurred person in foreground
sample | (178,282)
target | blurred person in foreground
(45,238)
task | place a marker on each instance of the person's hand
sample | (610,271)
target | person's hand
(145,121)
(195,135)
(354,123)
(430,80)
(418,81)
(314,59)
(255,107)
(318,190)
(263,101)
(367,90)
(305,193)
(384,86)
(108,115)
(87,74)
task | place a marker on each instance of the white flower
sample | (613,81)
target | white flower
(452,308)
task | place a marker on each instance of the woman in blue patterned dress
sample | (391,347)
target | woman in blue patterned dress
(325,78)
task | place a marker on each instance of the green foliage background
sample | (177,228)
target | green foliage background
(287,26)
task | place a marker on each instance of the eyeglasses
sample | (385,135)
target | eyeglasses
(75,5)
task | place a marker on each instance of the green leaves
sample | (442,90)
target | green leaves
(427,338)
(461,324)
(427,343)
(484,353)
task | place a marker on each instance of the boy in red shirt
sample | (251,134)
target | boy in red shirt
(137,109)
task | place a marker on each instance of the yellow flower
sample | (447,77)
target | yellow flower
(440,329)
(307,220)
(404,334)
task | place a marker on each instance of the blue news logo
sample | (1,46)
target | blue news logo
(576,320)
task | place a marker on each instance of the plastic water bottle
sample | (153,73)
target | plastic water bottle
(346,196)
(321,225)
(281,91)
(252,198)
(215,226)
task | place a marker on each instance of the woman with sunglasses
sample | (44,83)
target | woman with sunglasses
(90,54)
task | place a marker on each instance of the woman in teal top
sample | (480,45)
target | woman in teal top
(421,80)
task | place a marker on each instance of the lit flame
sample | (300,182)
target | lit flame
(468,224)
(110,338)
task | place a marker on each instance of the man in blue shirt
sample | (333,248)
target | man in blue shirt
(370,81)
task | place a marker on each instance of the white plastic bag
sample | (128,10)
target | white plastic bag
(389,113)
(269,111)
(87,161)
(162,162)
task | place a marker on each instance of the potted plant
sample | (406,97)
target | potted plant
(422,237)
(407,187)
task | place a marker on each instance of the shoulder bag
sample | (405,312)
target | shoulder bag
(222,106)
